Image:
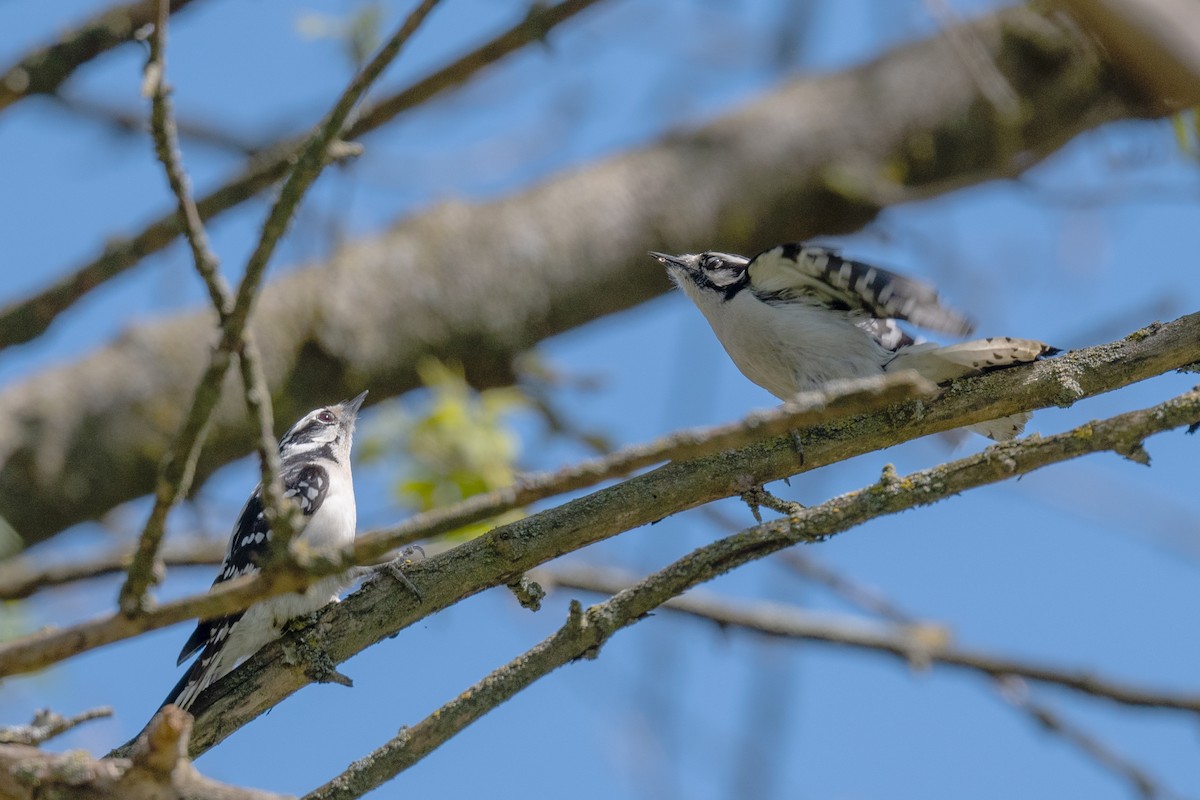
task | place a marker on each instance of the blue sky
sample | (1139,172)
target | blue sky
(1091,565)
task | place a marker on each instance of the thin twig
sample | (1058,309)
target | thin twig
(1016,693)
(44,70)
(20,578)
(254,382)
(858,595)
(127,121)
(1011,688)
(27,319)
(975,57)
(586,632)
(47,724)
(179,465)
(912,643)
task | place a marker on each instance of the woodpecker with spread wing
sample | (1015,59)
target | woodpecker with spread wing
(315,467)
(798,316)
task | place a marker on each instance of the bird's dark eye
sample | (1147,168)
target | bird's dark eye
(325,417)
(710,262)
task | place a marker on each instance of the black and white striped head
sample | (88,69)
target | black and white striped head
(707,273)
(323,433)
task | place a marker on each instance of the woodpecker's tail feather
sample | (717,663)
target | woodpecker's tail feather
(941,363)
(204,670)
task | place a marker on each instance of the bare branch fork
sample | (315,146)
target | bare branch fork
(179,464)
(585,632)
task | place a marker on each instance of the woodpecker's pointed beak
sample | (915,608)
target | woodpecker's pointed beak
(666,260)
(354,405)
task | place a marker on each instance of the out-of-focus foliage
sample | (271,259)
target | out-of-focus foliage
(359,33)
(1187,132)
(457,442)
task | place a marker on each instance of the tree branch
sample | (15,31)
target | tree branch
(44,70)
(587,631)
(381,609)
(46,725)
(21,577)
(48,646)
(841,400)
(157,768)
(1014,691)
(914,644)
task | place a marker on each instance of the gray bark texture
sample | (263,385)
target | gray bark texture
(479,284)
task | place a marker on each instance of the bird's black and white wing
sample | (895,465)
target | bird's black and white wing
(307,485)
(798,271)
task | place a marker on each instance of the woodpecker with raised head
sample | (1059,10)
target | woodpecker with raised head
(315,467)
(799,315)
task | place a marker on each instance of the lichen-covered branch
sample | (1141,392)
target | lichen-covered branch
(383,608)
(838,401)
(765,173)
(47,724)
(20,578)
(48,646)
(586,632)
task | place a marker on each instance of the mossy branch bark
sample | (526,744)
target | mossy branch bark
(586,631)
